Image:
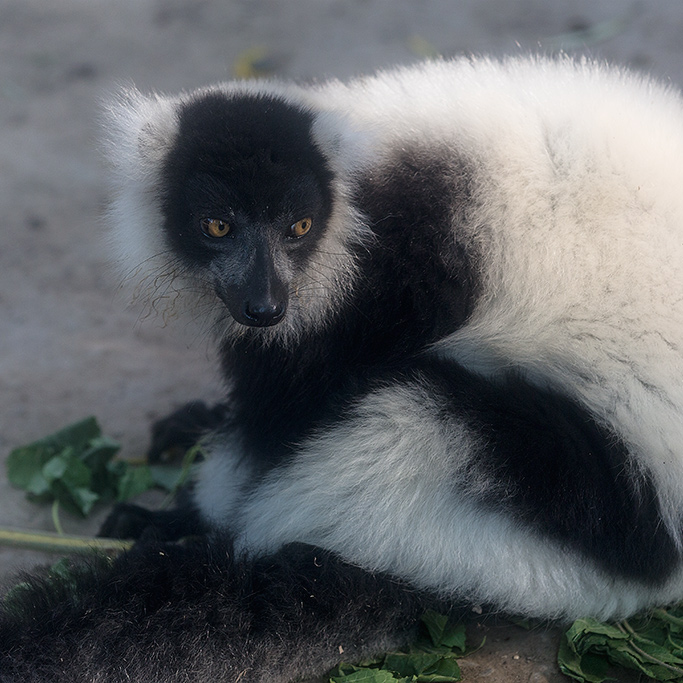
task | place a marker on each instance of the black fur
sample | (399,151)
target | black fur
(416,286)
(133,521)
(173,435)
(550,464)
(196,613)
(250,161)
(420,282)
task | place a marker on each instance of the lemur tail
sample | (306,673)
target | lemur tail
(195,612)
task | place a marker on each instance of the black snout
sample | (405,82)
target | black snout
(249,283)
(263,314)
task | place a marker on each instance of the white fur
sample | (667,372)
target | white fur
(578,211)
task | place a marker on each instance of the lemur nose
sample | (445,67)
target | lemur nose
(264,314)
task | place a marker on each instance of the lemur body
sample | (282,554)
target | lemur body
(449,304)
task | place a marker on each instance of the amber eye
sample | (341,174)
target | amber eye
(214,227)
(300,228)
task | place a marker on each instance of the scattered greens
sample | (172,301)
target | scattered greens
(651,644)
(76,468)
(590,651)
(431,660)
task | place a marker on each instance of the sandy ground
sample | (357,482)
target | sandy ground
(69,345)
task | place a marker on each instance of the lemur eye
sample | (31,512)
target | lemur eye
(214,227)
(300,228)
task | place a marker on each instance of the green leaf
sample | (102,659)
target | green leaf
(135,480)
(76,499)
(649,658)
(648,643)
(596,630)
(166,477)
(70,482)
(444,633)
(346,668)
(24,462)
(454,637)
(586,668)
(411,664)
(38,485)
(74,467)
(97,455)
(432,661)
(436,625)
(76,435)
(446,670)
(68,469)
(673,617)
(366,676)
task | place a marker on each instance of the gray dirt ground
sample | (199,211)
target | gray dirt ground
(69,346)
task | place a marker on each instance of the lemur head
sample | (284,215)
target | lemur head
(230,192)
(247,196)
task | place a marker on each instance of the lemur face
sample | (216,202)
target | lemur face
(246,198)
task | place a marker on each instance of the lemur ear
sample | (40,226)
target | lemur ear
(138,132)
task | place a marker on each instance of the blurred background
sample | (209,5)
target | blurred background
(70,346)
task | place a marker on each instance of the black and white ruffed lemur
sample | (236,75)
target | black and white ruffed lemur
(449,303)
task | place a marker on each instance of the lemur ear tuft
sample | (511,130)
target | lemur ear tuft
(139,131)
